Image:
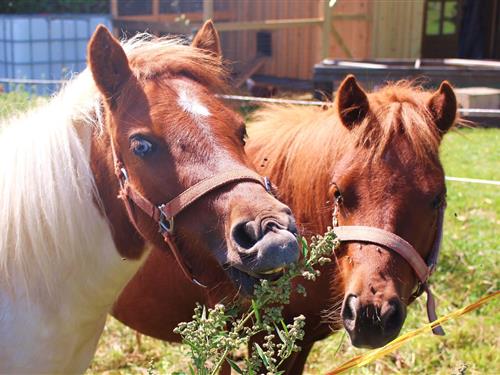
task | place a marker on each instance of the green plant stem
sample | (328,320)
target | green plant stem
(221,361)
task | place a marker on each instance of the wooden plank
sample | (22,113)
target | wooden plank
(476,63)
(268,24)
(154,27)
(270,67)
(114,14)
(280,43)
(195,17)
(249,70)
(156,8)
(303,46)
(208,10)
(327,29)
(114,8)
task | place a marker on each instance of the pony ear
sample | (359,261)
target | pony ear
(352,102)
(443,107)
(108,62)
(207,38)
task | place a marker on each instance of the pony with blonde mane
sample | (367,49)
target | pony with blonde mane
(69,246)
(369,159)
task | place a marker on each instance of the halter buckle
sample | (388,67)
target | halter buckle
(166,223)
(267,185)
(122,177)
(418,291)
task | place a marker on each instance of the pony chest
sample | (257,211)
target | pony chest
(36,340)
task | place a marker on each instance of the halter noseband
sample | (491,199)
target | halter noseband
(164,214)
(423,269)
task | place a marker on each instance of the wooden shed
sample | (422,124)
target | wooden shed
(285,38)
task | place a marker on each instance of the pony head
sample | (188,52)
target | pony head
(165,124)
(387,175)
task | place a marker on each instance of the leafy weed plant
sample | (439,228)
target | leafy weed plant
(215,333)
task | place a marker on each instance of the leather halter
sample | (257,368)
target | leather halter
(423,269)
(164,214)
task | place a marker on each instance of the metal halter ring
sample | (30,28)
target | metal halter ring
(267,185)
(166,224)
(123,177)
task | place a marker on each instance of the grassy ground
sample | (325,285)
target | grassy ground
(468,269)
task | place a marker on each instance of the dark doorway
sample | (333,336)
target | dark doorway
(461,28)
(441,28)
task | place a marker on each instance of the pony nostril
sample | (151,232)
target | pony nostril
(246,235)
(393,316)
(349,311)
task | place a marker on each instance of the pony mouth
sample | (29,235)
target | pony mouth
(273,272)
(246,280)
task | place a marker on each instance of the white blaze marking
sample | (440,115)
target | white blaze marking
(192,105)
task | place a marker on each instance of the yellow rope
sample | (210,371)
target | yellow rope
(362,360)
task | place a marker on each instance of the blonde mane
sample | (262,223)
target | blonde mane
(47,189)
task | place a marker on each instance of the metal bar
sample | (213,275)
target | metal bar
(467,62)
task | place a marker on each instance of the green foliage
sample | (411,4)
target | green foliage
(17,102)
(214,334)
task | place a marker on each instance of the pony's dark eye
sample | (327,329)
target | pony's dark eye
(243,134)
(438,201)
(140,146)
(337,195)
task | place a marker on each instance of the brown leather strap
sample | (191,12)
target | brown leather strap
(165,213)
(206,186)
(395,243)
(387,239)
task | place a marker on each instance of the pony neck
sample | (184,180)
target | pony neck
(59,266)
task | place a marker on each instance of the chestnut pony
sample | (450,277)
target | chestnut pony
(142,122)
(372,158)
(374,154)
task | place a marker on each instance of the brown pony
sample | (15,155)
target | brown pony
(171,132)
(142,123)
(377,155)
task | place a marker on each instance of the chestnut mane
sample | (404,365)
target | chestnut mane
(298,139)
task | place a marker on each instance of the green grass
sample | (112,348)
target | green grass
(468,269)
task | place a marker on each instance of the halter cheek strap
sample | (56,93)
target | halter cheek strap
(164,214)
(391,241)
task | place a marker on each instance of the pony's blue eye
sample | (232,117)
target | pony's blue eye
(140,146)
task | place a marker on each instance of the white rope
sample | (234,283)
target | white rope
(33,81)
(473,180)
(470,112)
